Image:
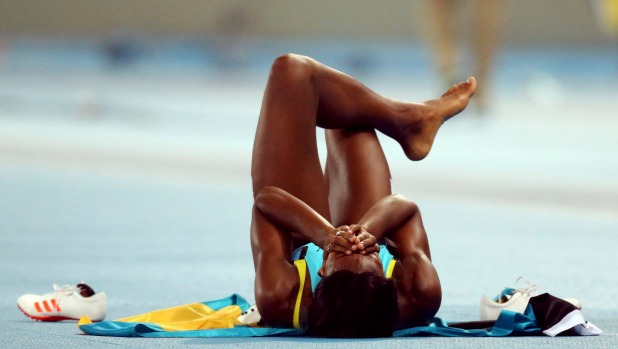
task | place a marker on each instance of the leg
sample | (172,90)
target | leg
(302,94)
(489,23)
(357,173)
(346,103)
(444,38)
(358,177)
(285,149)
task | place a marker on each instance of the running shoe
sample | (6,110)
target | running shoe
(513,299)
(251,317)
(65,303)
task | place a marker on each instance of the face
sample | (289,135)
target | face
(355,262)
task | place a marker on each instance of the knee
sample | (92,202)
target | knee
(292,65)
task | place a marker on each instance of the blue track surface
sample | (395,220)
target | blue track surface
(135,182)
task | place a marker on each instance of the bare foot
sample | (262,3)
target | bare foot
(416,137)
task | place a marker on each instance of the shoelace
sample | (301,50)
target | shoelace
(60,292)
(529,289)
(65,289)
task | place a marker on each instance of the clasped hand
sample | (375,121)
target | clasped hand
(350,239)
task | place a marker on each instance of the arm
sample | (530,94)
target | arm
(388,215)
(418,286)
(276,279)
(293,215)
(278,217)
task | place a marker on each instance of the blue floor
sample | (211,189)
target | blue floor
(136,182)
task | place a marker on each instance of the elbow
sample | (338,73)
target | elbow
(420,309)
(425,291)
(272,305)
(431,299)
(410,205)
(265,197)
(268,308)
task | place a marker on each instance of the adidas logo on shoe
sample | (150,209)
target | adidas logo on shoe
(65,303)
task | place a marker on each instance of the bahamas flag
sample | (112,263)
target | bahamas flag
(206,319)
(544,315)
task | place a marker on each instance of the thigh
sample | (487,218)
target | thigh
(357,173)
(285,151)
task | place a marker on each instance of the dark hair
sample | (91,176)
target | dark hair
(350,305)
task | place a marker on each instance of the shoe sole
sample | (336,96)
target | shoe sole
(46,318)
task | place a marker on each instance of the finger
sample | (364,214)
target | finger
(342,232)
(371,249)
(354,227)
(362,236)
(346,234)
(340,241)
(343,228)
(351,238)
(334,247)
(344,240)
(366,236)
(366,240)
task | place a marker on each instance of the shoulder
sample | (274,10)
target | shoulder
(419,292)
(275,295)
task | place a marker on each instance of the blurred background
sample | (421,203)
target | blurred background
(126,130)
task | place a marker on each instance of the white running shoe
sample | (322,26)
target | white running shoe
(65,303)
(251,317)
(512,299)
